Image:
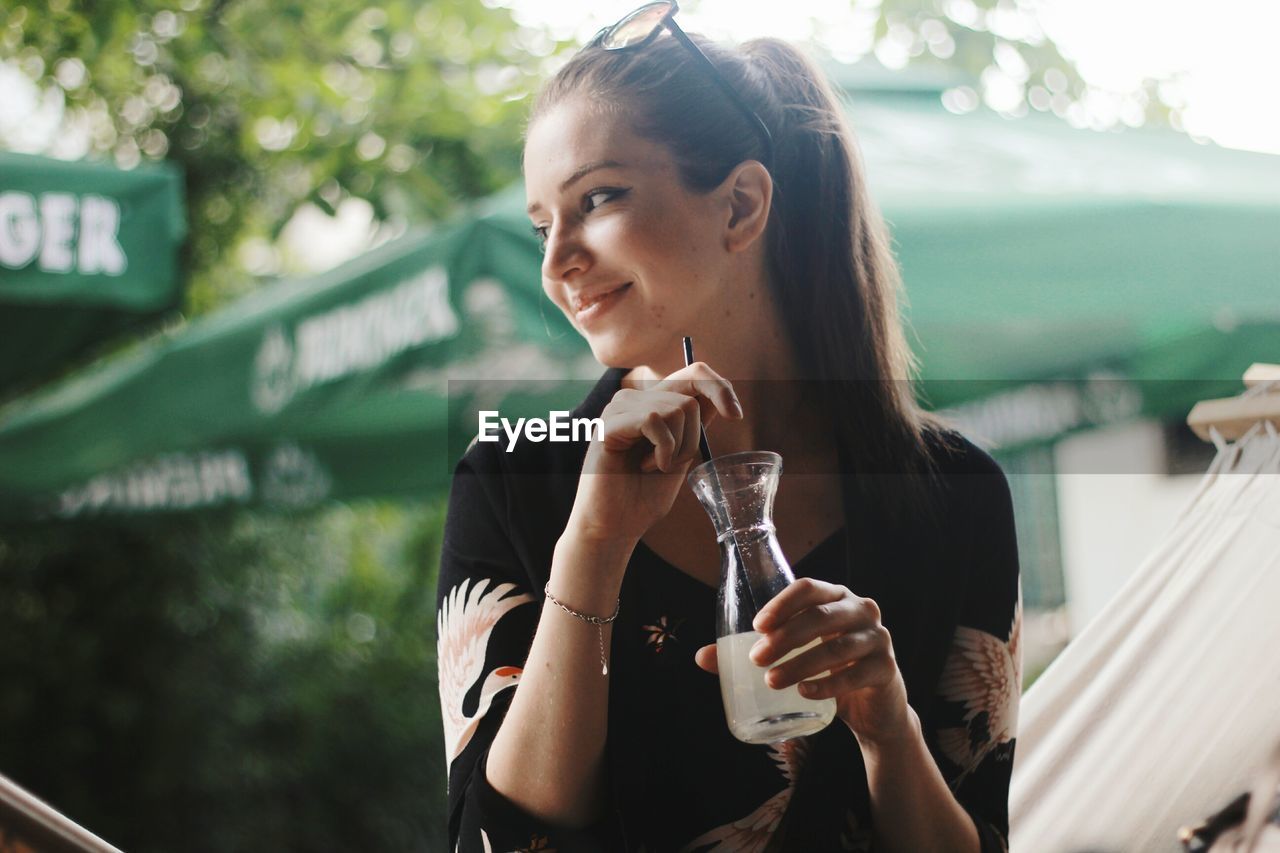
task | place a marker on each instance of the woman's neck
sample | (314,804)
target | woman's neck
(751,348)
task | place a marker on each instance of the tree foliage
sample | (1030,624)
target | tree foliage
(249,681)
(270,104)
(228,682)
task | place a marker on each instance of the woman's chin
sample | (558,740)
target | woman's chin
(629,347)
(611,349)
(609,355)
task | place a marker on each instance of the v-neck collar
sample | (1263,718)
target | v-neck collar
(610,383)
(836,536)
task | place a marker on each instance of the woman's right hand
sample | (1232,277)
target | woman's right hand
(630,479)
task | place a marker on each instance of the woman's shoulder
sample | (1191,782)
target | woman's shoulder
(973,488)
(953,454)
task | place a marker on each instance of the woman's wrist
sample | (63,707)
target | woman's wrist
(598,538)
(903,736)
(586,572)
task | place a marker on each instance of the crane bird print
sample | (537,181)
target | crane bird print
(466,620)
(752,833)
(983,674)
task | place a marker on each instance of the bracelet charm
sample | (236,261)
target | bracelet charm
(598,621)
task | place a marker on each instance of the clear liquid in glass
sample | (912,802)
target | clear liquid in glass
(756,712)
(737,491)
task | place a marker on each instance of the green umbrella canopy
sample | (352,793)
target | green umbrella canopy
(86,252)
(1030,251)
(1059,248)
(354,382)
(1139,265)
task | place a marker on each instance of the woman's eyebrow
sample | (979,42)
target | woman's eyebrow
(583,171)
(578,174)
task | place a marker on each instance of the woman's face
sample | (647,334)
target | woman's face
(633,259)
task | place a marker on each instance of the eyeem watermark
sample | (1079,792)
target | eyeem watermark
(559,427)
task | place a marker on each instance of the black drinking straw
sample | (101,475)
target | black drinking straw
(715,485)
(702,432)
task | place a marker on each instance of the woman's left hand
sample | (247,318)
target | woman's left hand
(870,694)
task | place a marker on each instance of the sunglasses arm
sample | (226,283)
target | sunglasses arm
(714,73)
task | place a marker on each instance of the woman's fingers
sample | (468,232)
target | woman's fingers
(833,655)
(873,671)
(692,429)
(684,418)
(699,380)
(802,595)
(625,426)
(664,435)
(810,610)
(820,622)
(670,422)
(668,416)
(848,663)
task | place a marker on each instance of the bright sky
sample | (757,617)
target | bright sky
(1225,53)
(1223,57)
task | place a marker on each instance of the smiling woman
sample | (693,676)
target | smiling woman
(629,250)
(684,188)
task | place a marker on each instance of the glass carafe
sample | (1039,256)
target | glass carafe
(737,491)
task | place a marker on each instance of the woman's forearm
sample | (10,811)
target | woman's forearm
(912,807)
(547,756)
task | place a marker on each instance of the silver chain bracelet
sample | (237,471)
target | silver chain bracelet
(598,621)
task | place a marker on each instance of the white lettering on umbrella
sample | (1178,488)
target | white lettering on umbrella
(99,246)
(58,216)
(294,477)
(171,481)
(19,229)
(352,338)
(369,332)
(52,235)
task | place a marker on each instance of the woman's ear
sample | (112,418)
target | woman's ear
(749,190)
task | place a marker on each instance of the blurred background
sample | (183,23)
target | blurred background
(260,263)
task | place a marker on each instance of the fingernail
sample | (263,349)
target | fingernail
(737,407)
(807,689)
(757,649)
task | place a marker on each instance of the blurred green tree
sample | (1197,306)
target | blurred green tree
(252,681)
(229,682)
(271,104)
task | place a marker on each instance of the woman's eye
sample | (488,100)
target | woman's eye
(540,231)
(595,198)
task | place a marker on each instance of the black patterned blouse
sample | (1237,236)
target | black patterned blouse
(947,587)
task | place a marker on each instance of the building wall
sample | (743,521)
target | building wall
(1116,504)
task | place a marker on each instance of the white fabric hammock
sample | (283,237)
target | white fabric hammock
(1167,704)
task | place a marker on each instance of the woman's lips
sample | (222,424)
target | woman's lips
(589,309)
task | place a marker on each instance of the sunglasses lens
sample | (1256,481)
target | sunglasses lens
(636,27)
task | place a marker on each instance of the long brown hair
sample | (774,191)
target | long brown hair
(833,275)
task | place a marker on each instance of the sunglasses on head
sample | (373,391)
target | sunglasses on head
(642,26)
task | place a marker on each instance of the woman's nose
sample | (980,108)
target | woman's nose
(564,255)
